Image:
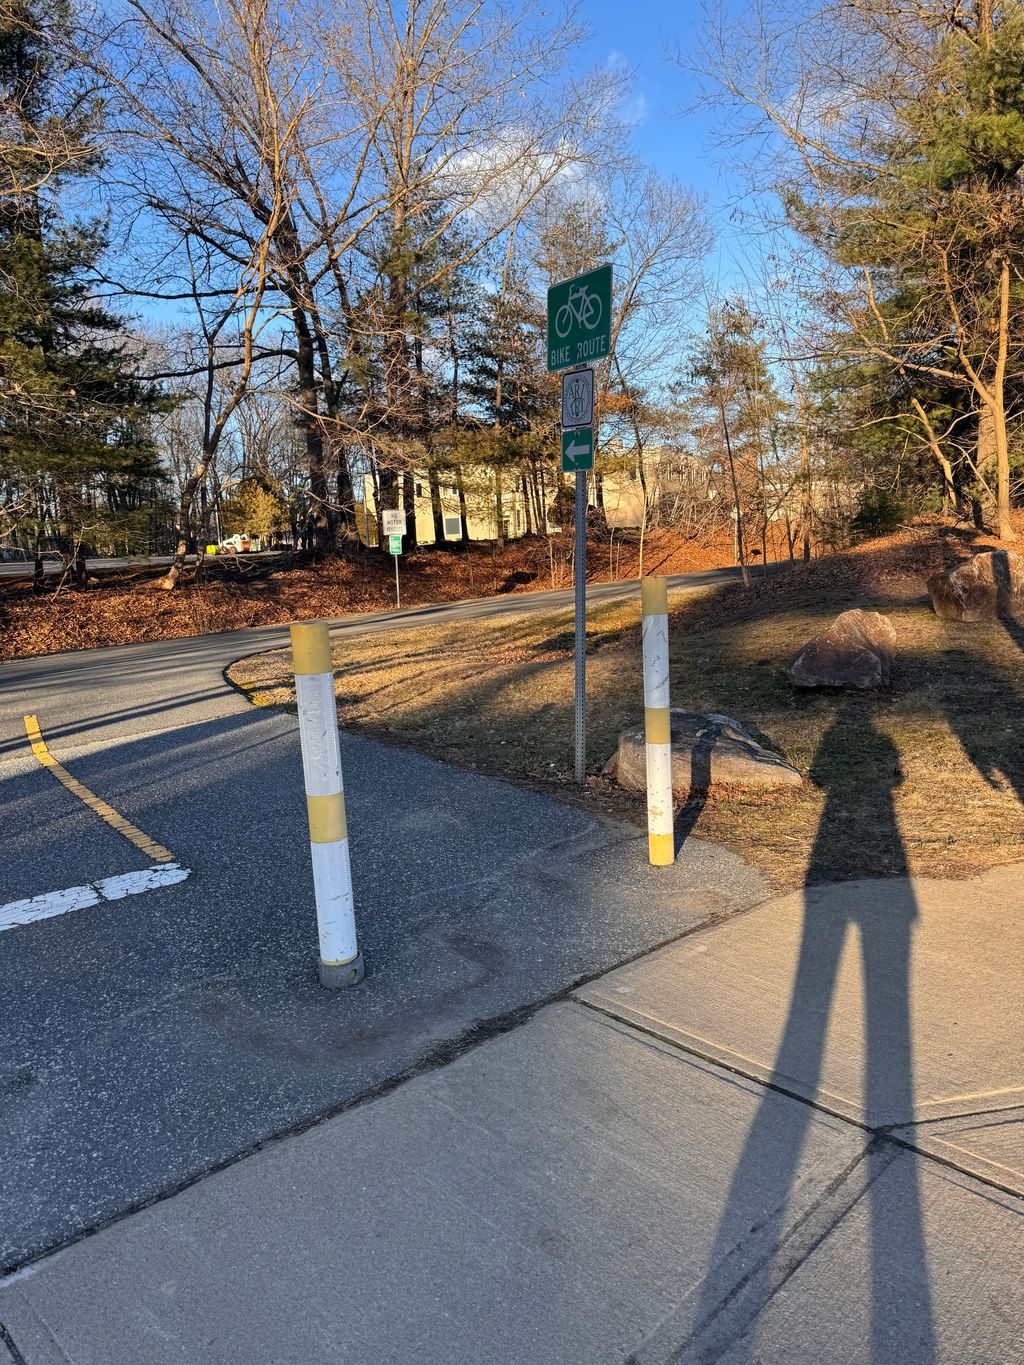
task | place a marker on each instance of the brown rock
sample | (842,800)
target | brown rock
(855,651)
(986,587)
(706,750)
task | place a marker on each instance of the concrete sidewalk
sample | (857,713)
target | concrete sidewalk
(746,1147)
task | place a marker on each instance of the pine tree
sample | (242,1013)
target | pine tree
(511,392)
(916,195)
(736,412)
(74,416)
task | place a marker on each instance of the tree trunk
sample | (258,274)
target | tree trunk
(463,512)
(436,508)
(740,556)
(524,488)
(388,484)
(805,494)
(409,501)
(321,516)
(1004,525)
(499,508)
(539,517)
(182,524)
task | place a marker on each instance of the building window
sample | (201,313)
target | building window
(452,528)
(419,490)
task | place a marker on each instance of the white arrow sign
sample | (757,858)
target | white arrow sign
(577,450)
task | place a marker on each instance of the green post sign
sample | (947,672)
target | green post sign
(580,319)
(577,450)
(394,545)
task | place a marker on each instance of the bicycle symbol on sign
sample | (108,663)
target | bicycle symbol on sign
(581,307)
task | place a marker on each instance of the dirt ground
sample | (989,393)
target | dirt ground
(127,607)
(927,776)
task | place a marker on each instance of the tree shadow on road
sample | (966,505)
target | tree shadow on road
(901,1325)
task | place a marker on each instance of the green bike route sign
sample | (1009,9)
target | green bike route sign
(580,319)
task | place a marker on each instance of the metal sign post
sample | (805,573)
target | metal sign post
(393,526)
(579,332)
(578,459)
(395,548)
(580,641)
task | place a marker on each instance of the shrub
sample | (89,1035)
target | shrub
(879,512)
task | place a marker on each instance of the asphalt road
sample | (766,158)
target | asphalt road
(93,695)
(150,1039)
(23,568)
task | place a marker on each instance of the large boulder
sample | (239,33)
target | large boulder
(707,750)
(855,651)
(981,589)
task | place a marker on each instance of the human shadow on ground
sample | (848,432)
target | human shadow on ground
(764,1182)
(700,785)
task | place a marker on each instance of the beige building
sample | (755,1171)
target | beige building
(669,474)
(481,510)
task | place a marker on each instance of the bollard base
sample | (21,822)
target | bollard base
(335,974)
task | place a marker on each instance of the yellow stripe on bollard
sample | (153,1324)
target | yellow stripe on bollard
(654,596)
(326,818)
(661,849)
(657,725)
(311,647)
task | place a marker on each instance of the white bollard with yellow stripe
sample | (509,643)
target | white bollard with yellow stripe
(657,722)
(341,963)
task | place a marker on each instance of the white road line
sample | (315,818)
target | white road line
(53,903)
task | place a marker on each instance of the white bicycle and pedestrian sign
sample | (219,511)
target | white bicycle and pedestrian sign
(579,319)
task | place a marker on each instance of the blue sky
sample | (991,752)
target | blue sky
(642,34)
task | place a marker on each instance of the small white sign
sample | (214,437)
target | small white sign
(578,398)
(393,522)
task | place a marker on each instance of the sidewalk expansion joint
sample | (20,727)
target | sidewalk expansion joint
(887,1132)
(742,1297)
(7,1341)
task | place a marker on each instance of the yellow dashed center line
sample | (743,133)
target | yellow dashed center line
(149,846)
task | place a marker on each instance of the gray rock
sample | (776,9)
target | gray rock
(855,651)
(707,751)
(985,587)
